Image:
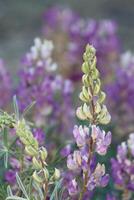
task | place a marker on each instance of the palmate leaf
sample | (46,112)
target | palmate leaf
(16,107)
(5,137)
(15,198)
(3,193)
(38,189)
(9,191)
(54,195)
(21,186)
(28,108)
(6,159)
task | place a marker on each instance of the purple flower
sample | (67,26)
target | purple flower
(75,32)
(82,162)
(66,151)
(40,82)
(98,177)
(103,140)
(73,188)
(10,176)
(39,135)
(123,165)
(74,160)
(15,164)
(5,86)
(80,135)
(110,197)
(120,92)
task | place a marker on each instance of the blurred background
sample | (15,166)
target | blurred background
(21,22)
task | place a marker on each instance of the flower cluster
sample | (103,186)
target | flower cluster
(5,86)
(110,197)
(39,155)
(89,139)
(121,94)
(123,167)
(70,33)
(40,56)
(36,155)
(91,95)
(39,82)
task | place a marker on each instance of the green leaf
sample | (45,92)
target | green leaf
(28,108)
(15,198)
(36,186)
(9,191)
(6,159)
(16,107)
(5,137)
(21,186)
(54,193)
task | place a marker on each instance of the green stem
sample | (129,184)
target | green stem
(91,145)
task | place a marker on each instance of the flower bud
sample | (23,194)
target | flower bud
(46,174)
(43,153)
(56,174)
(104,117)
(85,80)
(37,178)
(86,111)
(80,114)
(37,164)
(102,97)
(97,86)
(31,151)
(83,98)
(85,67)
(97,108)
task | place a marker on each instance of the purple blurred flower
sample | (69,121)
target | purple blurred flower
(66,151)
(98,178)
(10,176)
(15,164)
(74,161)
(5,86)
(110,197)
(80,135)
(70,33)
(40,83)
(103,140)
(73,188)
(120,92)
(39,135)
(83,162)
(123,165)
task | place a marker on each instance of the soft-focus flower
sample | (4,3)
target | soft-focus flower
(103,140)
(53,94)
(70,33)
(5,86)
(74,160)
(98,177)
(10,176)
(120,91)
(123,165)
(110,197)
(15,164)
(40,55)
(73,188)
(39,135)
(66,150)
(80,135)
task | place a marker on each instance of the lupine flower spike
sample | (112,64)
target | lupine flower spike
(123,168)
(89,139)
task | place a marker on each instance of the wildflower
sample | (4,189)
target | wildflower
(123,166)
